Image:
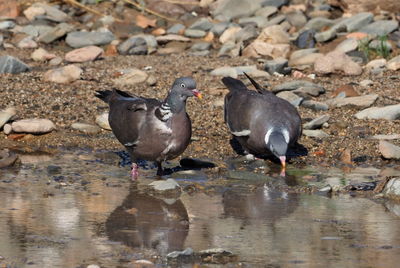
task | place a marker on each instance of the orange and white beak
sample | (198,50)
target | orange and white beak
(283,163)
(197,93)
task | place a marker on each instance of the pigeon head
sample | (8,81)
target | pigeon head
(185,87)
(277,143)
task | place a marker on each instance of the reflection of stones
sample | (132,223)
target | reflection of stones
(143,221)
(263,203)
(7,159)
(394,207)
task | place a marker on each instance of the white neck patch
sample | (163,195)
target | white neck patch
(284,132)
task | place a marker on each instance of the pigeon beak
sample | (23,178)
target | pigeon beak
(283,161)
(197,93)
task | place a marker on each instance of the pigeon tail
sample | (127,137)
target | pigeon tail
(106,95)
(259,88)
(233,84)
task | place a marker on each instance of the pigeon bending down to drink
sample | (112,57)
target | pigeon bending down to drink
(260,121)
(151,129)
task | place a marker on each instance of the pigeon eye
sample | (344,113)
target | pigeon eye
(183,85)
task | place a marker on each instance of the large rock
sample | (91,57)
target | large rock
(84,54)
(337,61)
(6,115)
(392,188)
(34,126)
(63,75)
(380,27)
(390,112)
(259,48)
(138,45)
(131,77)
(389,150)
(231,9)
(360,101)
(83,39)
(9,64)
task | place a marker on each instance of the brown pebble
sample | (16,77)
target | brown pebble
(347,89)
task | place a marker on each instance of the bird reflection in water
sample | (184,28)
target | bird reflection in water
(263,203)
(146,222)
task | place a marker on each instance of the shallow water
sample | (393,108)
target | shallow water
(79,208)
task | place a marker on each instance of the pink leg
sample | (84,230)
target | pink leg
(134,171)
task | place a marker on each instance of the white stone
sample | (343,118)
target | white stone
(34,126)
(63,75)
(102,121)
(390,112)
(389,150)
(169,184)
(6,115)
(131,77)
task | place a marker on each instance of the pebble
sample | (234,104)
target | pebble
(229,35)
(219,28)
(260,48)
(9,64)
(306,39)
(83,39)
(131,77)
(394,63)
(63,75)
(315,105)
(279,65)
(194,33)
(315,133)
(296,84)
(200,46)
(291,97)
(84,54)
(27,42)
(7,24)
(203,24)
(48,12)
(225,71)
(33,126)
(140,44)
(389,150)
(102,121)
(317,122)
(165,185)
(41,54)
(360,101)
(386,137)
(171,37)
(337,61)
(366,83)
(7,129)
(7,159)
(86,128)
(55,33)
(176,29)
(177,254)
(348,45)
(345,91)
(232,9)
(55,61)
(392,188)
(380,27)
(390,112)
(6,115)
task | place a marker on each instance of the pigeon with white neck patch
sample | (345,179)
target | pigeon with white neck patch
(151,129)
(260,121)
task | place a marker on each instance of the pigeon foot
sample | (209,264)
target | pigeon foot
(134,172)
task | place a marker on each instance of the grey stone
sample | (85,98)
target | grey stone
(167,185)
(394,63)
(167,38)
(9,64)
(86,128)
(266,11)
(356,22)
(296,19)
(176,28)
(52,12)
(275,3)
(293,85)
(302,52)
(386,137)
(249,69)
(318,23)
(200,46)
(219,28)
(246,33)
(138,45)
(380,45)
(183,253)
(36,30)
(306,39)
(257,20)
(366,83)
(202,24)
(389,150)
(315,133)
(83,39)
(380,27)
(326,35)
(225,71)
(231,9)
(194,33)
(317,122)
(359,101)
(315,105)
(55,33)
(200,53)
(226,49)
(309,91)
(348,45)
(279,65)
(275,20)
(294,99)
(390,112)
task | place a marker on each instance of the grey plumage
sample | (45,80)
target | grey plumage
(151,129)
(260,121)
